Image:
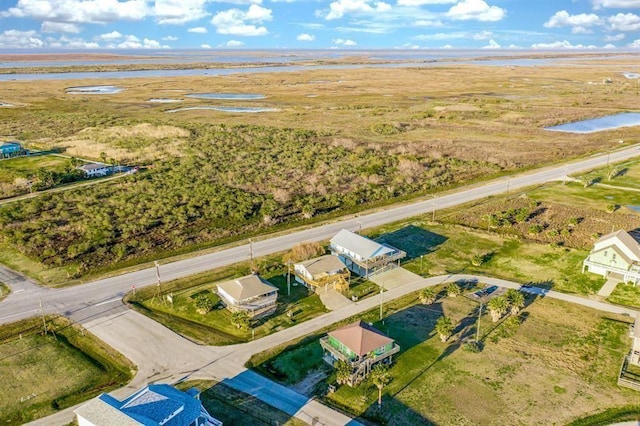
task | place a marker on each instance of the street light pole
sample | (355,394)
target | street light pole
(421,258)
(155,262)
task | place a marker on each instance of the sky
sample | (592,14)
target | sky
(319,24)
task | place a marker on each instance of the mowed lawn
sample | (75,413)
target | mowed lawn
(22,167)
(215,327)
(444,249)
(561,363)
(41,374)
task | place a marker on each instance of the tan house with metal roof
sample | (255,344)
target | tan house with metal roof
(616,254)
(322,273)
(363,256)
(251,294)
(361,345)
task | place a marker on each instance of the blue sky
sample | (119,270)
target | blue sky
(320,24)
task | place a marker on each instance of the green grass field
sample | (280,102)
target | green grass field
(215,327)
(570,352)
(15,173)
(41,374)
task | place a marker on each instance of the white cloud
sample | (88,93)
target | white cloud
(424,2)
(197,30)
(179,12)
(339,8)
(232,43)
(616,37)
(305,37)
(634,44)
(79,11)
(170,38)
(492,45)
(619,4)
(561,45)
(428,23)
(240,23)
(65,42)
(409,46)
(483,35)
(343,42)
(563,19)
(447,46)
(609,46)
(112,36)
(20,39)
(205,46)
(133,42)
(59,27)
(477,10)
(624,22)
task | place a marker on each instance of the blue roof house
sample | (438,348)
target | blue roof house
(154,405)
(9,149)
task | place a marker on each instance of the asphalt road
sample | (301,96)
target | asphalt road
(81,301)
(163,356)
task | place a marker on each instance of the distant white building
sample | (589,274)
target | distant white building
(363,256)
(155,405)
(95,169)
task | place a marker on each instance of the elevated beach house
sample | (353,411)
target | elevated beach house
(361,345)
(615,255)
(363,256)
(153,405)
(322,273)
(251,294)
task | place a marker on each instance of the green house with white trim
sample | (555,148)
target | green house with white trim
(360,345)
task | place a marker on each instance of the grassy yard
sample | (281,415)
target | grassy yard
(628,175)
(236,408)
(15,173)
(4,291)
(572,352)
(41,374)
(215,327)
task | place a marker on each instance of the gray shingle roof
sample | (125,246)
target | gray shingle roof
(623,239)
(247,287)
(360,245)
(323,264)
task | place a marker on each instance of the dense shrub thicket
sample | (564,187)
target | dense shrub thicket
(224,181)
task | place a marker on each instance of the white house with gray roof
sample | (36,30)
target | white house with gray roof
(154,405)
(363,256)
(615,255)
(322,273)
(95,169)
(251,294)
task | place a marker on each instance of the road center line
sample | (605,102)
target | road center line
(107,301)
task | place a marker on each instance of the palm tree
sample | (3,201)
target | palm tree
(380,377)
(203,304)
(515,299)
(427,296)
(498,306)
(343,371)
(444,328)
(454,290)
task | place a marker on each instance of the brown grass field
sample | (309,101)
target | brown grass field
(466,112)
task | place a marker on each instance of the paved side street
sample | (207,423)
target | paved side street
(163,356)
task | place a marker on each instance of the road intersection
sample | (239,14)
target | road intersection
(163,356)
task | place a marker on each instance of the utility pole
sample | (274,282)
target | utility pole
(421,258)
(381,290)
(251,254)
(44,322)
(478,325)
(159,285)
(288,278)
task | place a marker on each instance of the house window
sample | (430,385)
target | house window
(613,256)
(605,253)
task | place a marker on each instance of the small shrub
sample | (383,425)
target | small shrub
(535,229)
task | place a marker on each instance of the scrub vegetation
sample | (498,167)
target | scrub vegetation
(369,137)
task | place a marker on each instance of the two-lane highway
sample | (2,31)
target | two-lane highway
(101,293)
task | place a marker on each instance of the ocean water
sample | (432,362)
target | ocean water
(93,90)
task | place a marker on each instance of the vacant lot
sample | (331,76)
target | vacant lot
(41,374)
(569,352)
(369,137)
(19,175)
